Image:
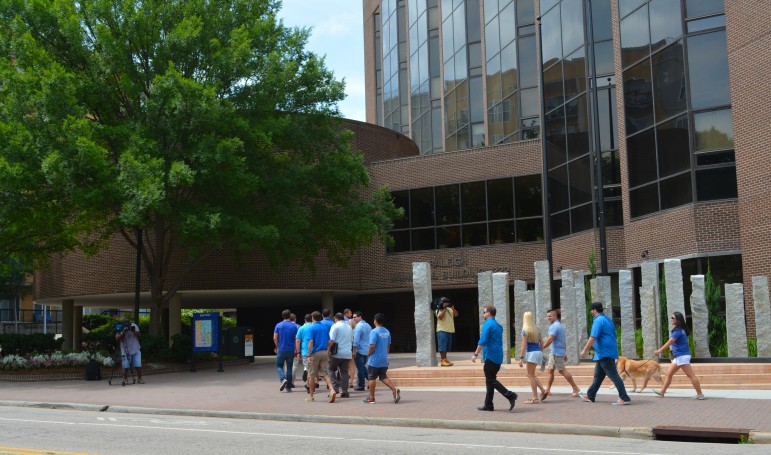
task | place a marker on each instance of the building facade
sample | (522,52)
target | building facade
(665,102)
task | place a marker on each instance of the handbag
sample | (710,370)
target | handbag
(333,349)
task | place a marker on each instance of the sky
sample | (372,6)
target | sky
(337,32)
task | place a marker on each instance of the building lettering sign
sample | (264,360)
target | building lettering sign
(453,268)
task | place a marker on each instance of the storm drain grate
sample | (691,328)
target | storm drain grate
(701,434)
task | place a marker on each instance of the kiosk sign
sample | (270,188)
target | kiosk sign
(206,332)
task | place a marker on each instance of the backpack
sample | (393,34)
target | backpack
(93,372)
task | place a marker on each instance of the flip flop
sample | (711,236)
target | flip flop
(532,401)
(576,394)
(544,395)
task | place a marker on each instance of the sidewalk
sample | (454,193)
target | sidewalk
(251,391)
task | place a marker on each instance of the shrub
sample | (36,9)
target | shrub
(718,343)
(23,344)
(93,321)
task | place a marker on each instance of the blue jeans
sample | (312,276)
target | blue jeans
(284,358)
(443,341)
(361,368)
(607,367)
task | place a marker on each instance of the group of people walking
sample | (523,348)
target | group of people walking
(340,347)
(336,349)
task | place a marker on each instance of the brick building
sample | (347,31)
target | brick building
(670,97)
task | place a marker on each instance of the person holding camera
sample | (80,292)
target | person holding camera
(131,354)
(445,328)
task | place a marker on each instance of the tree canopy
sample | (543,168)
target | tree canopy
(205,122)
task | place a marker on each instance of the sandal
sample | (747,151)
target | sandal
(576,394)
(532,401)
(544,394)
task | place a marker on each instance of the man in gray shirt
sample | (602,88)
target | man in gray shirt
(558,356)
(342,334)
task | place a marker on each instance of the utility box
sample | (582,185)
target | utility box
(238,342)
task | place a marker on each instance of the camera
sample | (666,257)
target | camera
(440,303)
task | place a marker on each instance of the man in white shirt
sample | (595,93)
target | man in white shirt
(342,334)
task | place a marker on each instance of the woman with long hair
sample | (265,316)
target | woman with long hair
(531,352)
(681,355)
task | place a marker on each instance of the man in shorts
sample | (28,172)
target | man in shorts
(445,328)
(558,356)
(318,360)
(379,347)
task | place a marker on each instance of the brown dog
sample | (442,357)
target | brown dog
(639,369)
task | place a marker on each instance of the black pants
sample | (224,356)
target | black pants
(491,381)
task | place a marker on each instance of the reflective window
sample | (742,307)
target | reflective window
(635,37)
(641,158)
(492,40)
(475,234)
(551,38)
(676,191)
(718,183)
(552,87)
(696,8)
(713,130)
(447,205)
(525,12)
(473,202)
(546,5)
(509,69)
(638,97)
(673,151)
(603,58)
(423,239)
(602,23)
(530,104)
(608,126)
(500,199)
(708,61)
(402,200)
(422,207)
(582,218)
(556,146)
(669,82)
(577,127)
(503,232)
(491,9)
(448,237)
(580,181)
(560,224)
(575,74)
(559,187)
(708,159)
(643,201)
(627,6)
(666,23)
(527,191)
(528,67)
(705,23)
(493,81)
(572,26)
(530,230)
(472,21)
(507,22)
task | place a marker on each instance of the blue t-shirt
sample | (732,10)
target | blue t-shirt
(605,333)
(557,330)
(328,323)
(680,346)
(361,337)
(320,336)
(286,330)
(381,338)
(300,336)
(531,346)
(491,338)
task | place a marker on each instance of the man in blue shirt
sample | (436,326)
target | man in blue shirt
(558,355)
(283,337)
(491,343)
(361,347)
(326,313)
(318,360)
(301,346)
(605,353)
(379,347)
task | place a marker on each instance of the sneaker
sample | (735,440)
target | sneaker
(621,403)
(397,396)
(359,389)
(586,398)
(698,397)
(344,395)
(309,399)
(446,363)
(368,400)
(332,396)
(283,385)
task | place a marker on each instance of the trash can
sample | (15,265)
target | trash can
(238,342)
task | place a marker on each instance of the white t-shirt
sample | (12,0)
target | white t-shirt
(342,334)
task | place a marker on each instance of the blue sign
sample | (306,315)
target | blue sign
(206,332)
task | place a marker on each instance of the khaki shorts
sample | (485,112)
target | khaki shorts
(555,363)
(318,368)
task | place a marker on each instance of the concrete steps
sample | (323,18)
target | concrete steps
(736,376)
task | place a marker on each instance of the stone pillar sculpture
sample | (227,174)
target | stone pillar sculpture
(762,315)
(673,275)
(524,300)
(501,303)
(626,296)
(699,317)
(601,292)
(735,325)
(425,353)
(485,289)
(542,295)
(650,321)
(570,322)
(580,301)
(650,283)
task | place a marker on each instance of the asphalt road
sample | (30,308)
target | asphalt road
(35,431)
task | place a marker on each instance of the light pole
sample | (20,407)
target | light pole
(545,174)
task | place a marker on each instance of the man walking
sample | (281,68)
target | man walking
(491,345)
(379,347)
(605,353)
(283,337)
(301,347)
(342,335)
(445,328)
(361,348)
(318,361)
(558,355)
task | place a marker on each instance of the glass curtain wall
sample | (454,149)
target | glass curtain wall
(395,82)
(425,78)
(677,103)
(378,70)
(511,71)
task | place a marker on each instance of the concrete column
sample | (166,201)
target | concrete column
(485,292)
(175,315)
(762,315)
(735,324)
(542,295)
(425,335)
(650,283)
(328,301)
(650,321)
(580,301)
(626,295)
(699,317)
(524,300)
(673,275)
(602,292)
(77,327)
(501,303)
(67,324)
(569,320)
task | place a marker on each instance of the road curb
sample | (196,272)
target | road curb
(476,425)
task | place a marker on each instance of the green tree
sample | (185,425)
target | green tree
(204,122)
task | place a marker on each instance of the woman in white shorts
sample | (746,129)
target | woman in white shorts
(531,353)
(681,355)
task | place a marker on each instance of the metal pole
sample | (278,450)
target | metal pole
(138,275)
(597,147)
(545,175)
